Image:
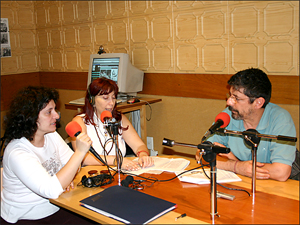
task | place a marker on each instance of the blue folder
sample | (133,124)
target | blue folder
(127,205)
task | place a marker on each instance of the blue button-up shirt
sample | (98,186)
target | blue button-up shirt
(275,121)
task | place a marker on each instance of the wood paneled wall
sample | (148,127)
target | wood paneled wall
(11,84)
(199,37)
(214,86)
(185,48)
(207,86)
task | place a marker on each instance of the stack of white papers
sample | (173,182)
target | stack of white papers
(163,164)
(198,176)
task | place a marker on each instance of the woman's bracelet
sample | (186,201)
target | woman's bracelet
(234,169)
(138,153)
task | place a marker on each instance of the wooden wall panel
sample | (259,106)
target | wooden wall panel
(207,86)
(11,84)
(211,86)
(285,89)
(64,80)
(200,37)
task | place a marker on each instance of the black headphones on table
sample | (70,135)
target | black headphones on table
(96,181)
(132,183)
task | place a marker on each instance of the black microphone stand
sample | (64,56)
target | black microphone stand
(210,156)
(113,130)
(209,153)
(252,138)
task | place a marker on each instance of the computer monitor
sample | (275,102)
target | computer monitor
(117,67)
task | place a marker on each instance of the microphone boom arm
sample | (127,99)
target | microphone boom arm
(205,145)
(209,152)
(267,136)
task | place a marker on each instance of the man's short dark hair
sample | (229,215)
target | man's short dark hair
(255,83)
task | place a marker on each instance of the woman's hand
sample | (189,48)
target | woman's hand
(83,143)
(145,161)
(130,165)
(71,186)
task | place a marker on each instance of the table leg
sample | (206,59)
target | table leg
(143,124)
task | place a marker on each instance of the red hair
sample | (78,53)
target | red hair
(100,86)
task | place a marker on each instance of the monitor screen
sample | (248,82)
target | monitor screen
(105,67)
(117,67)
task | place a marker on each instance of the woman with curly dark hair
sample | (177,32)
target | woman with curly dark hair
(37,163)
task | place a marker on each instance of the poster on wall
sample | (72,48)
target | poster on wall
(5,40)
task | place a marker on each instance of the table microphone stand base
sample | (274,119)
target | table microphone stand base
(210,157)
(251,138)
(115,133)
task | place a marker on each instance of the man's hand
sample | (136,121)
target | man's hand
(229,155)
(245,168)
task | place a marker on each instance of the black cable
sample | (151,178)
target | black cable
(145,178)
(105,153)
(228,188)
(150,111)
(156,180)
(234,189)
(180,174)
(202,166)
(149,108)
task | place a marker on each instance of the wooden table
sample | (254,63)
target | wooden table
(275,202)
(124,107)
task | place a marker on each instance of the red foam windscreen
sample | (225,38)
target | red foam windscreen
(72,128)
(105,114)
(224,117)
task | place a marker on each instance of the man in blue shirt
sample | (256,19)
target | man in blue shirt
(249,108)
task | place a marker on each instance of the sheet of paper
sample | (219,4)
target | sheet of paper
(163,164)
(198,176)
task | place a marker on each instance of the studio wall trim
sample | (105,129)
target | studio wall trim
(208,86)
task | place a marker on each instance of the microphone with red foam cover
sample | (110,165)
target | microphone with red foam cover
(73,129)
(105,116)
(222,120)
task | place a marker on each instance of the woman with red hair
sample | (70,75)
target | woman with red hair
(101,96)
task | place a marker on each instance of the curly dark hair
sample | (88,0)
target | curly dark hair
(21,118)
(255,83)
(100,86)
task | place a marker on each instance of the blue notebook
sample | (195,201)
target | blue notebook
(127,205)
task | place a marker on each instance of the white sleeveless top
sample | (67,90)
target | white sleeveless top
(104,136)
